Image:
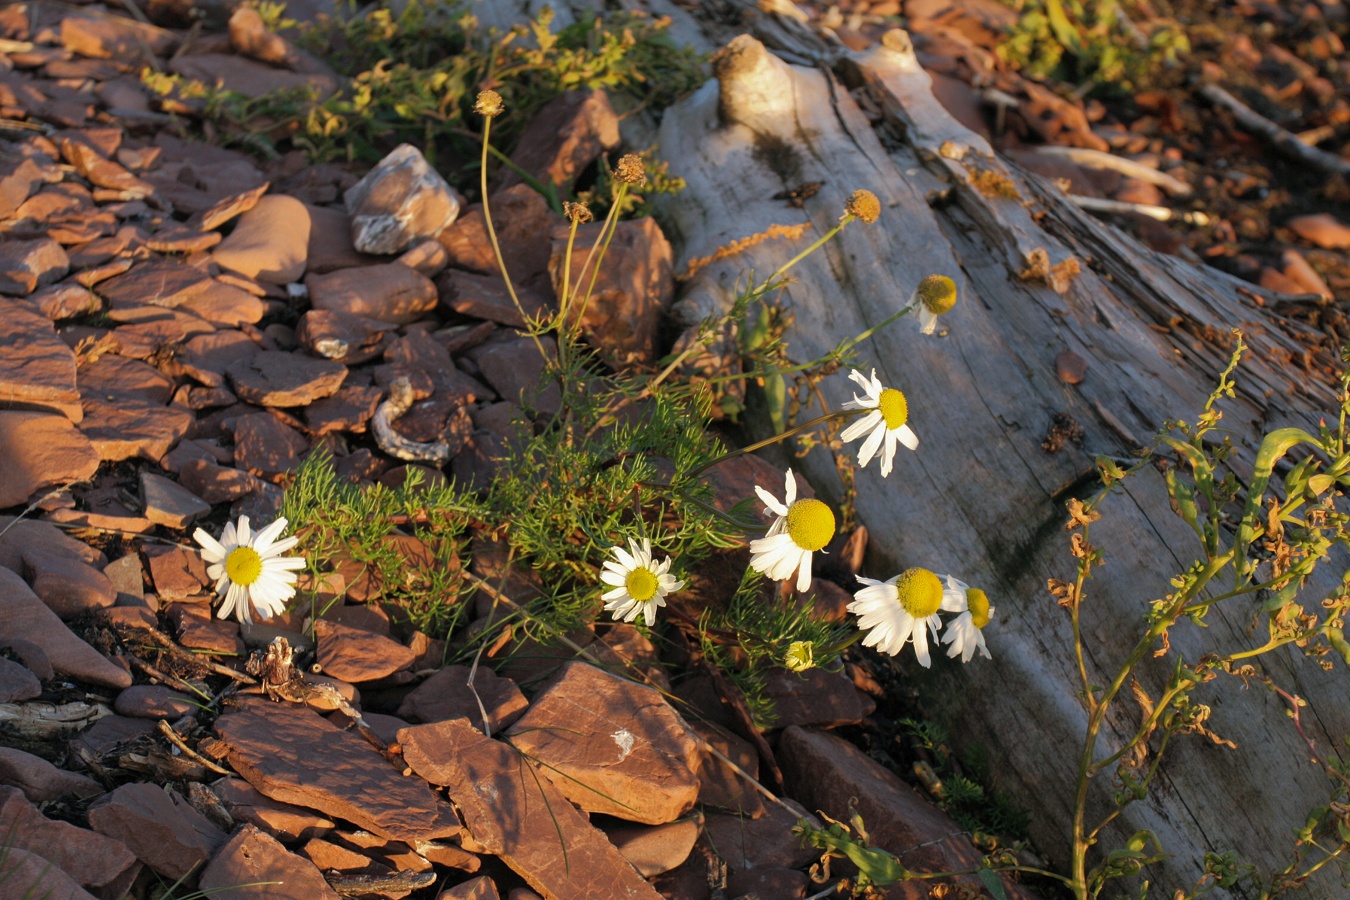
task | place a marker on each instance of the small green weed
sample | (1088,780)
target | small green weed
(1090,43)
(412,77)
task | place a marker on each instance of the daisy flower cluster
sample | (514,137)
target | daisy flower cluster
(902,610)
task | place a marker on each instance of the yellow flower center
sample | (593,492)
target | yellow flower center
(919,592)
(641,584)
(863,205)
(894,408)
(978,604)
(938,294)
(810,524)
(243,565)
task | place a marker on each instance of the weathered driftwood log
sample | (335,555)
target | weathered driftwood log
(981,498)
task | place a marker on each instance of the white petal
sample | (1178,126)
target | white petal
(869,447)
(269,534)
(908,437)
(804,572)
(242,532)
(862,426)
(888,455)
(279,547)
(790,496)
(212,551)
(921,645)
(927,320)
(770,501)
(626,559)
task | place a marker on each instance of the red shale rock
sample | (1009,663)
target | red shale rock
(22,613)
(40,450)
(447,695)
(355,655)
(37,369)
(296,756)
(823,772)
(41,781)
(519,815)
(159,826)
(252,857)
(610,745)
(96,862)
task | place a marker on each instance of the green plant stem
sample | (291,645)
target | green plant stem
(492,235)
(1081,840)
(796,429)
(781,270)
(602,242)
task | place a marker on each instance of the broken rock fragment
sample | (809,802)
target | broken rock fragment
(296,756)
(159,826)
(611,745)
(274,378)
(253,857)
(520,815)
(270,242)
(400,201)
(22,613)
(40,450)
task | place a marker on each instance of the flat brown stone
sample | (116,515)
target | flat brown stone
(114,37)
(390,293)
(22,613)
(27,265)
(265,446)
(127,428)
(296,756)
(519,815)
(347,410)
(611,745)
(95,861)
(37,369)
(284,821)
(253,857)
(111,376)
(154,282)
(40,450)
(41,781)
(225,306)
(447,695)
(159,826)
(207,357)
(273,378)
(270,241)
(356,655)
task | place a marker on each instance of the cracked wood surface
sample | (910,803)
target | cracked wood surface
(980,498)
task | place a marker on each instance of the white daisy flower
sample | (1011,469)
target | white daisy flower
(249,567)
(886,421)
(934,296)
(802,527)
(901,609)
(965,633)
(640,584)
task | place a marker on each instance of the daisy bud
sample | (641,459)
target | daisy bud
(579,213)
(863,205)
(489,104)
(800,656)
(630,170)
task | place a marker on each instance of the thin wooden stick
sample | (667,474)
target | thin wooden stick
(1284,141)
(1096,159)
